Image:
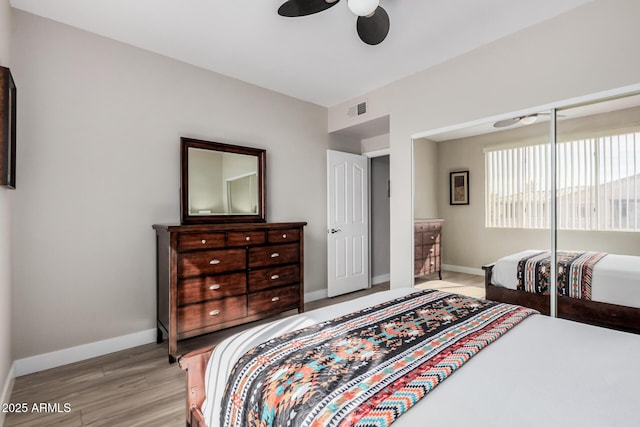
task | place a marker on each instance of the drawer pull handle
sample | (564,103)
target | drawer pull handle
(275,255)
(433,237)
(432,263)
(275,276)
(214,312)
(214,261)
(214,287)
(284,236)
(204,241)
(247,238)
(431,250)
(274,299)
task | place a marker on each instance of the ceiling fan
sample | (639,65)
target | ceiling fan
(372,24)
(525,120)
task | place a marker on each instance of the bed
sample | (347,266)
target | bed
(516,380)
(615,291)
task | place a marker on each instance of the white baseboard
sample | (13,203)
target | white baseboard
(41,362)
(462,269)
(65,356)
(376,280)
(7,389)
(315,295)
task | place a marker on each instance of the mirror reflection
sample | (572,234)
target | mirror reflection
(575,172)
(222,183)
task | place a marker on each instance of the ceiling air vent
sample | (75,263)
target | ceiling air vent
(357,110)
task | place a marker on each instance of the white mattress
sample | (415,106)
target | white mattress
(545,371)
(616,278)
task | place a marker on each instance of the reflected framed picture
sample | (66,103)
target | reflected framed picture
(7,129)
(459,188)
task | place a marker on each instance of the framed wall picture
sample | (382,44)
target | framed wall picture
(7,129)
(459,188)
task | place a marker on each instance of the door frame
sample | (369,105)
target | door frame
(370,155)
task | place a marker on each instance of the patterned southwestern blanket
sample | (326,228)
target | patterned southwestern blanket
(365,368)
(575,271)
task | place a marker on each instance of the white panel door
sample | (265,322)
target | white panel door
(347,222)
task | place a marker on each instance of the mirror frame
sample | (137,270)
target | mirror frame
(260,154)
(7,129)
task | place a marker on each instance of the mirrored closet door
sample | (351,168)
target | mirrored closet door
(598,211)
(490,186)
(548,203)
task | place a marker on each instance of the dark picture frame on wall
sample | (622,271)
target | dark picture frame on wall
(8,94)
(459,188)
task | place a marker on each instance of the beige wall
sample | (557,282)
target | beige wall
(6,215)
(425,178)
(99,164)
(566,57)
(376,143)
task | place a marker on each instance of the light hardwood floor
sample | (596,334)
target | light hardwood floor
(134,387)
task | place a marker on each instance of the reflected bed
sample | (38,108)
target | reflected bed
(615,291)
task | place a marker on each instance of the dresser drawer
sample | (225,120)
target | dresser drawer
(245,238)
(431,264)
(430,237)
(283,236)
(431,250)
(278,299)
(196,316)
(426,226)
(272,277)
(273,255)
(198,289)
(191,241)
(210,262)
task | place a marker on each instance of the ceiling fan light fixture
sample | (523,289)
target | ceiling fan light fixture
(527,120)
(363,7)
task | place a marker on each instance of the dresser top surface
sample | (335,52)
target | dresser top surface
(227,227)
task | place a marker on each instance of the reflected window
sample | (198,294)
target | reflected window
(517,187)
(597,178)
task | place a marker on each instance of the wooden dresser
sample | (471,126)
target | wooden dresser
(215,276)
(428,247)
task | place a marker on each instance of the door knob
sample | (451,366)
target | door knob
(334,230)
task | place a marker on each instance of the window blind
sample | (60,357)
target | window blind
(597,184)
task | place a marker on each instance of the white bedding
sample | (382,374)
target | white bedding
(518,380)
(616,278)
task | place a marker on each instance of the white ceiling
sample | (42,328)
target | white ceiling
(317,58)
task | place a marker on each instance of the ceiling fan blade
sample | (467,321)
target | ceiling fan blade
(295,8)
(506,122)
(373,29)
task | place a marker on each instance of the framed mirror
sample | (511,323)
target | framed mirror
(8,95)
(221,182)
